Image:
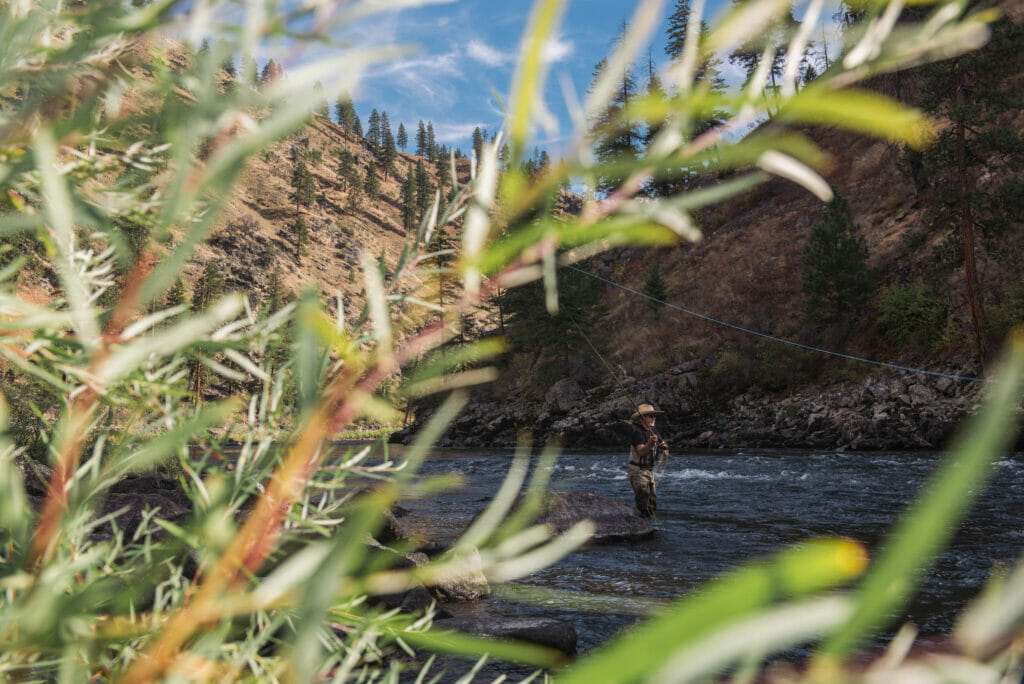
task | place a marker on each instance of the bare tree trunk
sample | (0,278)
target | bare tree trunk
(199,383)
(967,230)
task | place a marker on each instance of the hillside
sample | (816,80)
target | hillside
(725,387)
(255,236)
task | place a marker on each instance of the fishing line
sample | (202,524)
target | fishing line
(772,337)
(619,383)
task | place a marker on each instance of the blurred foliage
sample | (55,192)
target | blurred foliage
(119,147)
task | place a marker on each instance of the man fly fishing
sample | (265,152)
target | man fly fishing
(645,450)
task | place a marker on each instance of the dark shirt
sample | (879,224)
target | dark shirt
(640,437)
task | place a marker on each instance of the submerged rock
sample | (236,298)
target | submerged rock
(614,519)
(543,631)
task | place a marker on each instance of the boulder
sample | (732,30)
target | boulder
(564,395)
(614,519)
(543,631)
(469,585)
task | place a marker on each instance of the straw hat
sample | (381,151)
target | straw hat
(646,410)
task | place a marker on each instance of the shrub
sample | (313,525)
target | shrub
(1006,313)
(779,366)
(911,314)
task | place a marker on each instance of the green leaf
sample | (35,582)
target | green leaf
(933,519)
(861,111)
(457,643)
(741,593)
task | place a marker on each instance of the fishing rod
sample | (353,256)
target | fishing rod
(662,446)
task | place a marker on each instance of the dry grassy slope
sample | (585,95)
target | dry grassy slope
(746,270)
(254,236)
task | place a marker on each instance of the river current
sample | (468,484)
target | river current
(717,509)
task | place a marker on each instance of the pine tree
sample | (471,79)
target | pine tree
(424,189)
(346,168)
(973,218)
(177,295)
(478,143)
(357,125)
(837,280)
(385,130)
(275,291)
(300,234)
(373,130)
(443,168)
(619,142)
(346,114)
(655,286)
(355,191)
(228,66)
(553,339)
(421,140)
(303,185)
(403,137)
(408,202)
(209,287)
(272,72)
(431,142)
(371,186)
(388,155)
(775,36)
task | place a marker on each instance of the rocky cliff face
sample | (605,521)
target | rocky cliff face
(888,410)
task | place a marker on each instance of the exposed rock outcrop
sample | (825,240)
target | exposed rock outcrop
(887,410)
(614,519)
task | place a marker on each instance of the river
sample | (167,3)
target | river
(717,509)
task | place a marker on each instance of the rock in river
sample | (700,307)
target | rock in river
(614,519)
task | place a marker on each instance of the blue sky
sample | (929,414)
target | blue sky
(466,52)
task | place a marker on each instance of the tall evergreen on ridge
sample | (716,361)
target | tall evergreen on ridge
(385,129)
(478,142)
(775,37)
(373,130)
(431,142)
(389,154)
(346,115)
(272,71)
(421,140)
(620,134)
(443,167)
(403,137)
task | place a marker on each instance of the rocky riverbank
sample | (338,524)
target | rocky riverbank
(887,410)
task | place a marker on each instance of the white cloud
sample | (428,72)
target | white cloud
(482,52)
(422,77)
(557,49)
(455,132)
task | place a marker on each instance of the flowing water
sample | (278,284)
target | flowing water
(717,509)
